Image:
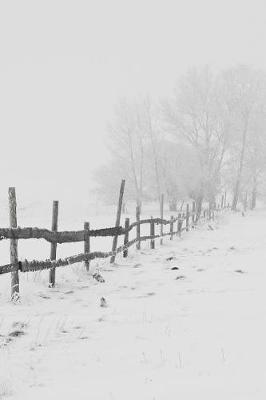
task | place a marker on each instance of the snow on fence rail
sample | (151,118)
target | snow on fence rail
(14,233)
(71,236)
(78,236)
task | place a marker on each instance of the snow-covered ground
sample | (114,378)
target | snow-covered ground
(184,321)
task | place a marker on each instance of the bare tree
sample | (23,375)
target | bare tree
(127,142)
(244,88)
(177,171)
(153,133)
(255,162)
(195,116)
(210,135)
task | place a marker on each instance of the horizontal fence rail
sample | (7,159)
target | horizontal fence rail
(71,236)
(57,237)
(26,233)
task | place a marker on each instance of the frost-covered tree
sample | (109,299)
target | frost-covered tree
(244,90)
(127,137)
(255,160)
(150,162)
(209,136)
(196,116)
(178,172)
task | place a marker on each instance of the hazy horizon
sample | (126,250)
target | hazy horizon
(63,66)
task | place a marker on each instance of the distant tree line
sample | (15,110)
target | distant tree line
(208,137)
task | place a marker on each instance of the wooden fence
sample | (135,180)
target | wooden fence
(183,222)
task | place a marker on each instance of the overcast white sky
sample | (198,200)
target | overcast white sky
(63,65)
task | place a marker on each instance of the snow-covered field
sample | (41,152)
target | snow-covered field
(184,321)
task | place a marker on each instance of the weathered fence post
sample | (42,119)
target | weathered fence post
(161,216)
(138,227)
(152,234)
(118,217)
(127,223)
(54,244)
(87,246)
(171,227)
(187,218)
(13,244)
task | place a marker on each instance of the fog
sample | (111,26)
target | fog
(163,296)
(64,65)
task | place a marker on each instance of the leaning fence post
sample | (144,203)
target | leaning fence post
(127,223)
(118,217)
(54,244)
(161,215)
(152,234)
(171,228)
(138,227)
(13,244)
(87,246)
(187,218)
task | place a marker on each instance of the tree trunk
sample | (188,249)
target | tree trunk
(172,205)
(254,194)
(245,202)
(240,168)
(181,207)
(155,154)
(236,193)
(199,202)
(139,204)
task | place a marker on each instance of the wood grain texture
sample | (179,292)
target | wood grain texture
(54,244)
(13,244)
(118,217)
